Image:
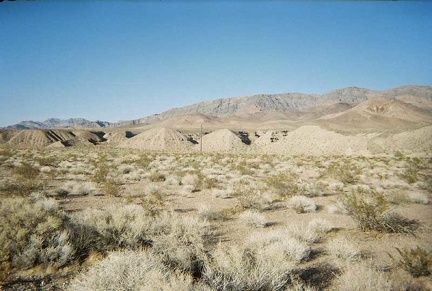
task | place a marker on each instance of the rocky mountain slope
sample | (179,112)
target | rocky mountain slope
(296,103)
(289,102)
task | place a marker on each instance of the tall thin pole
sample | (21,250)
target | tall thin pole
(201,139)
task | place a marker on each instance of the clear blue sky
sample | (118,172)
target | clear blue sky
(119,60)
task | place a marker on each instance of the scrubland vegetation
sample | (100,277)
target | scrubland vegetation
(105,219)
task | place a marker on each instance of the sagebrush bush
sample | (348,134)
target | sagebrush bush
(34,231)
(118,227)
(180,240)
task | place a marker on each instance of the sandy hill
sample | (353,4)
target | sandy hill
(221,141)
(160,139)
(43,138)
(117,136)
(312,140)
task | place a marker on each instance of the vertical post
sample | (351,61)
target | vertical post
(201,139)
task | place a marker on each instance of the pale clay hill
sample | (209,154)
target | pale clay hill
(351,121)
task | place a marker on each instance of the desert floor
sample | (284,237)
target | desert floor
(213,221)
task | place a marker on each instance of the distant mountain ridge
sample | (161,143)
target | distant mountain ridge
(60,123)
(287,102)
(237,106)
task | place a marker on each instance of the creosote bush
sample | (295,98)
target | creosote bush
(416,261)
(370,211)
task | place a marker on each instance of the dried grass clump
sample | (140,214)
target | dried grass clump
(301,204)
(419,198)
(207,212)
(343,249)
(253,218)
(240,268)
(320,225)
(362,276)
(129,270)
(76,188)
(289,246)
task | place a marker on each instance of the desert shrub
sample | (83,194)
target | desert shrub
(419,198)
(411,173)
(343,249)
(197,181)
(253,218)
(240,268)
(250,198)
(320,225)
(118,227)
(112,187)
(25,180)
(396,223)
(288,244)
(362,276)
(129,270)
(157,177)
(416,261)
(180,240)
(27,170)
(153,202)
(303,233)
(101,173)
(301,204)
(345,172)
(208,213)
(370,211)
(77,188)
(34,231)
(283,184)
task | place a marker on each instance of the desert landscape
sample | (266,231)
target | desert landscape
(269,192)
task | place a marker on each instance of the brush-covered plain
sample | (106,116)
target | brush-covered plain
(122,219)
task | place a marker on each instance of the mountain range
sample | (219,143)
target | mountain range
(285,106)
